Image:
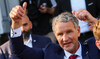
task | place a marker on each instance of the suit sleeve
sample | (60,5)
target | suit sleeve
(24,52)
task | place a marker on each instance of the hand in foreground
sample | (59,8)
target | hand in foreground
(84,15)
(16,15)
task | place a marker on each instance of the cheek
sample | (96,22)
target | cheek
(60,41)
(72,35)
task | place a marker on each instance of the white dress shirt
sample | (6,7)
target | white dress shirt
(77,5)
(18,32)
(78,52)
(29,42)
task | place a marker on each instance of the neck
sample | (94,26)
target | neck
(25,40)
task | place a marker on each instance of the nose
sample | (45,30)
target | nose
(65,37)
(23,28)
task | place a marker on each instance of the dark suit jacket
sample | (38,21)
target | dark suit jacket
(37,42)
(93,50)
(93,6)
(52,51)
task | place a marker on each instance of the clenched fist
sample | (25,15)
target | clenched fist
(84,15)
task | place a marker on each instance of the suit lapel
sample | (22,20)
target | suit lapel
(36,42)
(54,51)
(60,54)
(85,52)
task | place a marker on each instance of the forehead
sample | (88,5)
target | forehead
(61,26)
(25,20)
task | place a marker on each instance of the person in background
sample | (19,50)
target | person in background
(96,31)
(30,40)
(40,13)
(66,29)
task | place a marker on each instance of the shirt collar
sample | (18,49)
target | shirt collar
(30,38)
(78,52)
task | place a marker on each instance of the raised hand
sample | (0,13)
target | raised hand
(84,15)
(16,15)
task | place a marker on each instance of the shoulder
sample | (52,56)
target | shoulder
(40,37)
(90,40)
(91,44)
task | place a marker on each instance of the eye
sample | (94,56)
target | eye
(25,24)
(60,34)
(70,31)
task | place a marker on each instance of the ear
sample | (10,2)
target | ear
(78,29)
(98,44)
(31,24)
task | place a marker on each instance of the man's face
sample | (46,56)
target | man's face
(26,26)
(67,36)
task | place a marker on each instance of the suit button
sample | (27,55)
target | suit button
(34,41)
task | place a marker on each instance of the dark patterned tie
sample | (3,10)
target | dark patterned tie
(73,57)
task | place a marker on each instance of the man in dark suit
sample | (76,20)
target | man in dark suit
(66,29)
(90,5)
(29,39)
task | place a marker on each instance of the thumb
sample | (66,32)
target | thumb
(73,12)
(24,6)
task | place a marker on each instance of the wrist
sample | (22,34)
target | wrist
(16,25)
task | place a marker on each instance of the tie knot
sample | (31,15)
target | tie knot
(73,57)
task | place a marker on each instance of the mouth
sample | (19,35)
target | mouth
(67,44)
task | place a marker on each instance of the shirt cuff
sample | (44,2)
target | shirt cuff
(16,32)
(54,4)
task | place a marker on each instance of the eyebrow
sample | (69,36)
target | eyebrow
(25,24)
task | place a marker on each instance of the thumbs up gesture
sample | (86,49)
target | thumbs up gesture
(16,15)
